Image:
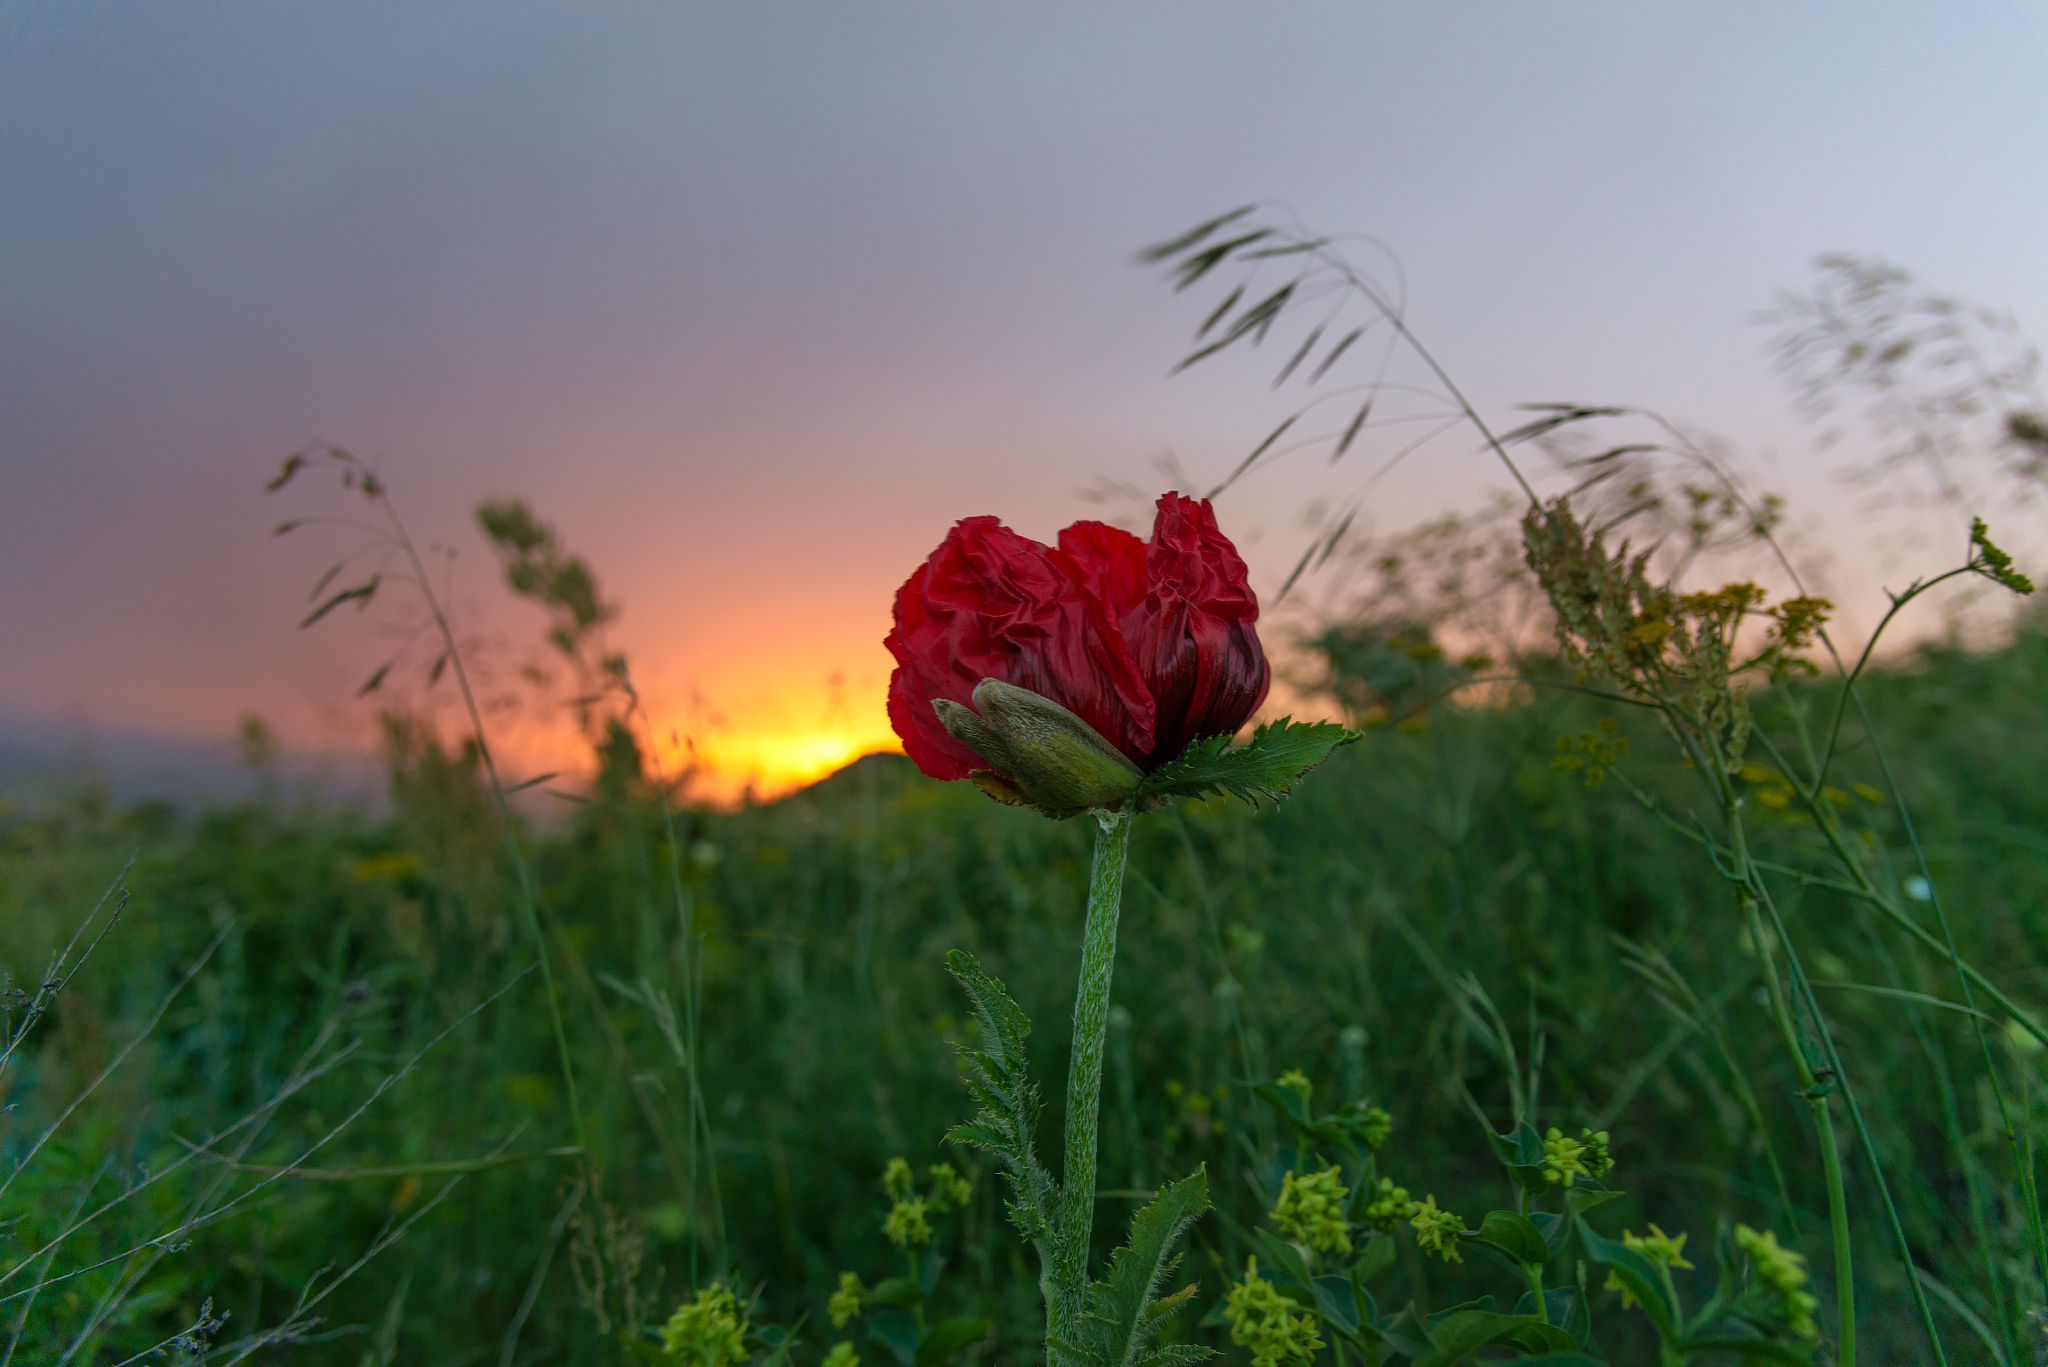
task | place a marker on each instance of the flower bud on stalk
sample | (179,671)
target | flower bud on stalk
(1043,754)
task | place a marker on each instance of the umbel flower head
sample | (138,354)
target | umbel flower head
(1003,643)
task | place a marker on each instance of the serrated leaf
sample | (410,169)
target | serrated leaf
(949,1337)
(1278,753)
(1124,1314)
(999,1081)
(1512,1236)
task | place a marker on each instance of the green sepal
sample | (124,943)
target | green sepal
(1511,1236)
(949,1337)
(1648,1282)
(1266,766)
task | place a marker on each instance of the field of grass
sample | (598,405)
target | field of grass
(1318,935)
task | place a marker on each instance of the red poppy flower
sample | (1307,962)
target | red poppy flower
(1150,643)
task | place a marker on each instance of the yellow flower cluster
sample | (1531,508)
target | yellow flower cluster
(709,1331)
(1259,1320)
(1311,1209)
(1437,1231)
(1658,1247)
(1784,1272)
(1566,1160)
(846,1301)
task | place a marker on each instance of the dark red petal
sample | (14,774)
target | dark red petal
(989,603)
(1193,635)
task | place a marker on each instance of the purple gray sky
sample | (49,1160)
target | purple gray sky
(753,301)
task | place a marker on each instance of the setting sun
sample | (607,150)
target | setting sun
(773,763)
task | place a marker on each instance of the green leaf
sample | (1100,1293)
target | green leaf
(1279,753)
(1376,1258)
(1511,1236)
(1563,1308)
(948,1337)
(1770,1350)
(1459,1334)
(1561,1360)
(1283,1261)
(1648,1282)
(1124,1315)
(1538,1337)
(1288,1103)
(1579,1200)
(895,1330)
(1552,1228)
(998,1079)
(1337,1302)
(645,1351)
(898,1291)
(1405,1332)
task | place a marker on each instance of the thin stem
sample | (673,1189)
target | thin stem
(528,896)
(1817,1104)
(1084,1075)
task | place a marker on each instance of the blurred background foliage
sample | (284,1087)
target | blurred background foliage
(1252,943)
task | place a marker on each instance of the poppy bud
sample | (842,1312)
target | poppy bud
(1055,760)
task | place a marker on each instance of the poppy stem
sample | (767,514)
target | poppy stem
(1084,1076)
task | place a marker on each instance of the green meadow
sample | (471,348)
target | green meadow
(757,1018)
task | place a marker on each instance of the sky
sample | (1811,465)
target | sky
(751,302)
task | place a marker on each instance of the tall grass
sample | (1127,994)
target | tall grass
(1251,945)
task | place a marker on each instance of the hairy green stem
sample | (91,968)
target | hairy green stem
(1084,1074)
